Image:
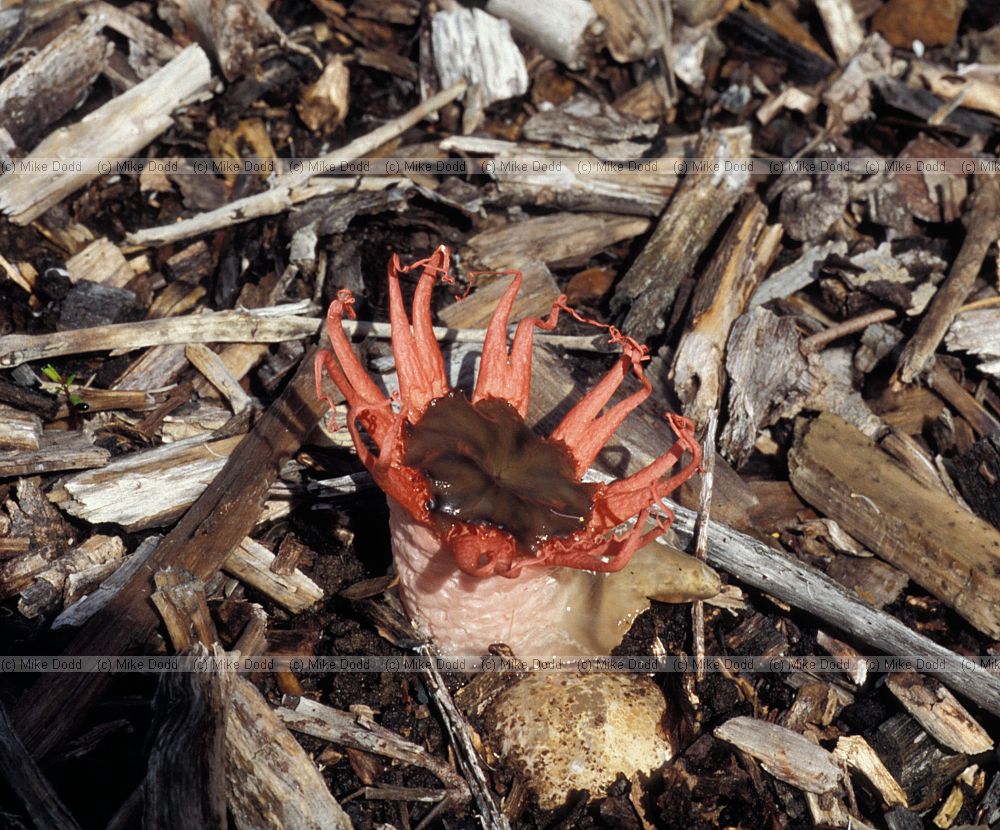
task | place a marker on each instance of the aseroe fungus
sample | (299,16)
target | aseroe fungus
(474,494)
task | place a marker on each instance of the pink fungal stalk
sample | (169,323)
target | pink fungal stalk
(484,512)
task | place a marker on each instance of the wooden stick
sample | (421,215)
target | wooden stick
(817,341)
(941,381)
(256,326)
(701,537)
(119,129)
(283,194)
(329,724)
(809,589)
(253,326)
(982,223)
(224,514)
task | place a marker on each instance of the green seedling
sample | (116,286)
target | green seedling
(75,401)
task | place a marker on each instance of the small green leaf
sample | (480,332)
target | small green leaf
(76,400)
(69,379)
(51,373)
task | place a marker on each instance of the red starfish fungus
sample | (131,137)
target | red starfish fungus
(472,479)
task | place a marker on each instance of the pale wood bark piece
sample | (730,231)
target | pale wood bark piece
(977,332)
(293,187)
(842,28)
(360,732)
(185,782)
(558,240)
(58,450)
(944,548)
(119,129)
(217,373)
(798,274)
(23,776)
(149,48)
(200,542)
(973,93)
(271,325)
(785,754)
(537,294)
(145,489)
(982,223)
(19,430)
(253,638)
(230,31)
(720,296)
(558,28)
(101,262)
(937,711)
(251,563)
(856,752)
(944,384)
(180,599)
(475,46)
(86,606)
(271,781)
(51,587)
(585,123)
(699,206)
(772,378)
(52,82)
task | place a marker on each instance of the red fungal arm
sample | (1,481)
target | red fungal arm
(419,364)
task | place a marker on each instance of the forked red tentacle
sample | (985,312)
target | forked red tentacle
(347,373)
(623,499)
(585,430)
(508,376)
(419,364)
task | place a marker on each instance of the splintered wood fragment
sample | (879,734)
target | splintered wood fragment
(293,187)
(842,28)
(944,384)
(856,752)
(86,606)
(785,754)
(23,776)
(720,296)
(982,224)
(102,400)
(19,430)
(586,123)
(180,599)
(776,31)
(215,371)
(253,638)
(771,378)
(230,31)
(937,711)
(57,450)
(185,782)
(922,531)
(65,579)
(251,563)
(922,768)
(978,332)
(271,325)
(52,82)
(972,92)
(534,299)
(119,129)
(699,206)
(271,782)
(101,262)
(200,542)
(145,489)
(558,240)
(360,732)
(475,46)
(558,29)
(976,473)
